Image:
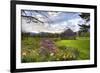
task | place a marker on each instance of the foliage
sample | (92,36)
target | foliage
(68,53)
(84,34)
(30,57)
(84,28)
(54,50)
(83,38)
(85,16)
(67,34)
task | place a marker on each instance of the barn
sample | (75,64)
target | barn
(68,34)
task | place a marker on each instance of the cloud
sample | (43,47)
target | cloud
(56,22)
(53,13)
(53,28)
(73,23)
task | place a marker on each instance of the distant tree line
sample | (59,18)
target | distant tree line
(67,34)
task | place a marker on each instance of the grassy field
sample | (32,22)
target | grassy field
(31,50)
(83,47)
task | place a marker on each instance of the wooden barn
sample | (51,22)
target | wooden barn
(68,34)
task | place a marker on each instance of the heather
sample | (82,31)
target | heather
(36,49)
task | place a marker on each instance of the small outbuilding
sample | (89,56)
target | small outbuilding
(68,34)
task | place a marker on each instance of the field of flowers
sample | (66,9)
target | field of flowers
(53,49)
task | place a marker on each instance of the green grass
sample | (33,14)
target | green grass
(82,45)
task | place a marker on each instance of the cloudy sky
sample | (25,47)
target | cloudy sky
(53,22)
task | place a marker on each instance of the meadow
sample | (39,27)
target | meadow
(36,49)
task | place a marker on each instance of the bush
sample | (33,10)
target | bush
(69,53)
(30,56)
(84,34)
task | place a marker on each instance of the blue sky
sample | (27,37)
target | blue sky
(54,22)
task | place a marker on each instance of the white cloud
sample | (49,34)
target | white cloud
(74,23)
(52,28)
(56,22)
(52,14)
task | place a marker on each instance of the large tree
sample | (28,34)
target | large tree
(86,17)
(84,28)
(36,19)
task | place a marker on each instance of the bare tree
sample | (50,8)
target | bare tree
(36,19)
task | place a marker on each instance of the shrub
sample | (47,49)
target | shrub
(30,56)
(69,53)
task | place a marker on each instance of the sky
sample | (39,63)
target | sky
(53,22)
